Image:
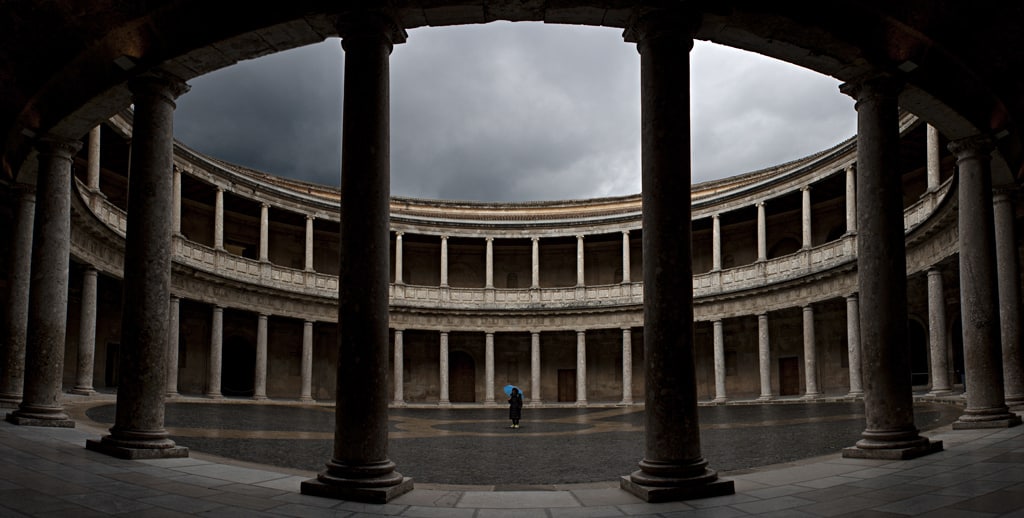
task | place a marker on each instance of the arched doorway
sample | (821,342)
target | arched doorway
(463,377)
(917,339)
(238,371)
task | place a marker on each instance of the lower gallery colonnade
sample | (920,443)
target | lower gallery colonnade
(831,301)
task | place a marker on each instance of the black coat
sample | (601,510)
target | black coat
(515,406)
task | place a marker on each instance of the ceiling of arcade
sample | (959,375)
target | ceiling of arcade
(63,63)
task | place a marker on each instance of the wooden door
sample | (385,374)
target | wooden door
(567,385)
(789,376)
(463,378)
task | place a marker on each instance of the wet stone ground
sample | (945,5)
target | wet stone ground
(553,445)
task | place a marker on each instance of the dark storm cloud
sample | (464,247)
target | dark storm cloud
(511,112)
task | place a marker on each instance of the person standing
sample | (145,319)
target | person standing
(515,407)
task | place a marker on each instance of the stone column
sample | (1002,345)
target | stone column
(48,300)
(580,277)
(762,233)
(937,334)
(853,346)
(86,334)
(359,468)
(672,467)
(810,355)
(173,342)
(15,312)
(535,264)
(716,243)
(443,398)
(805,215)
(934,158)
(1009,296)
(625,258)
(264,232)
(444,261)
(218,220)
(535,367)
(489,267)
(216,353)
(398,258)
(138,430)
(764,357)
(306,393)
(92,176)
(581,368)
(851,199)
(176,202)
(986,404)
(719,353)
(260,376)
(399,367)
(489,367)
(309,243)
(882,278)
(627,366)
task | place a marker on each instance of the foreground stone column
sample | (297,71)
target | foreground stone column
(443,398)
(627,366)
(535,367)
(762,233)
(306,393)
(672,467)
(625,258)
(213,376)
(86,334)
(15,312)
(48,299)
(1008,275)
(259,391)
(937,334)
(810,355)
(853,346)
(581,368)
(882,279)
(986,405)
(535,264)
(359,468)
(173,342)
(719,345)
(489,368)
(399,367)
(138,431)
(764,357)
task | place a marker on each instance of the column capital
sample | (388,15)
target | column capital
(361,23)
(871,87)
(264,205)
(1004,193)
(160,85)
(626,328)
(852,296)
(398,329)
(760,204)
(489,239)
(971,147)
(534,239)
(806,188)
(852,168)
(649,22)
(310,217)
(625,233)
(579,237)
(934,270)
(444,237)
(58,147)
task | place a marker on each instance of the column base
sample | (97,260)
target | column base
(581,403)
(765,397)
(940,393)
(57,421)
(214,396)
(125,450)
(904,453)
(719,401)
(811,395)
(82,391)
(655,494)
(856,395)
(305,400)
(1008,421)
(366,494)
(10,402)
(259,398)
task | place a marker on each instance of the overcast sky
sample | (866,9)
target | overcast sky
(511,112)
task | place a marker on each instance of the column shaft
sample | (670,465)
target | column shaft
(937,334)
(535,367)
(86,334)
(851,199)
(764,357)
(216,353)
(627,366)
(986,404)
(399,367)
(882,278)
(581,368)
(398,258)
(173,343)
(15,312)
(489,367)
(625,257)
(176,202)
(810,355)
(580,274)
(762,233)
(853,345)
(306,393)
(535,264)
(443,399)
(489,264)
(716,243)
(672,467)
(444,261)
(934,158)
(92,175)
(138,430)
(1008,277)
(309,243)
(719,353)
(805,213)
(48,299)
(260,374)
(264,232)
(218,220)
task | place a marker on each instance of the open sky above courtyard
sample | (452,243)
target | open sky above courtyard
(511,112)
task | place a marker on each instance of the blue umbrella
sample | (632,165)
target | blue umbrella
(508,389)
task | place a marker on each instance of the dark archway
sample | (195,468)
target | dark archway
(239,367)
(917,340)
(463,377)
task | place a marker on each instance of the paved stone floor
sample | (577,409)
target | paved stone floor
(48,472)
